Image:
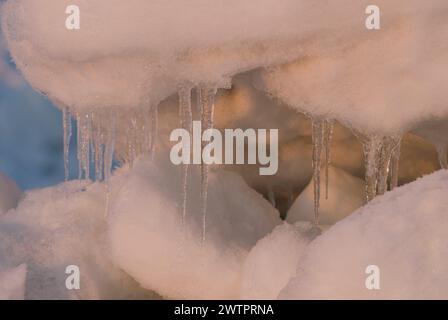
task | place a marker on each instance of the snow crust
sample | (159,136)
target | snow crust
(134,53)
(402,232)
(150,242)
(60,226)
(272,261)
(12,283)
(381,82)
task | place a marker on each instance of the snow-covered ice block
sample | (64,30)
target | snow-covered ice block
(346,193)
(272,262)
(127,53)
(385,81)
(150,242)
(10,194)
(57,227)
(402,232)
(12,283)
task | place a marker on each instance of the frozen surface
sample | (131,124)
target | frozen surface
(402,232)
(60,226)
(273,261)
(345,195)
(150,242)
(10,194)
(12,283)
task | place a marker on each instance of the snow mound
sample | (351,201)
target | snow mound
(345,195)
(10,194)
(129,53)
(402,232)
(150,242)
(385,82)
(272,262)
(60,226)
(12,283)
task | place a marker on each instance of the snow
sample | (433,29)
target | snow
(12,283)
(10,194)
(142,47)
(56,227)
(272,261)
(151,243)
(384,83)
(345,195)
(402,232)
(201,232)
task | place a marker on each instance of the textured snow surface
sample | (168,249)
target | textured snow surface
(131,53)
(12,283)
(138,232)
(10,194)
(272,261)
(402,232)
(385,82)
(60,226)
(150,242)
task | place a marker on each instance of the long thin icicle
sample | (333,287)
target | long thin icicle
(318,143)
(108,158)
(328,138)
(186,120)
(207,103)
(372,148)
(67,126)
(109,147)
(84,134)
(394,166)
(442,153)
(383,164)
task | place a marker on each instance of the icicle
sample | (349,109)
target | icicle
(388,145)
(442,153)
(97,146)
(394,166)
(328,138)
(67,125)
(108,158)
(109,148)
(84,135)
(372,148)
(207,103)
(186,120)
(79,145)
(318,142)
(132,138)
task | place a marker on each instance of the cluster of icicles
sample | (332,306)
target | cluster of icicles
(97,136)
(98,133)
